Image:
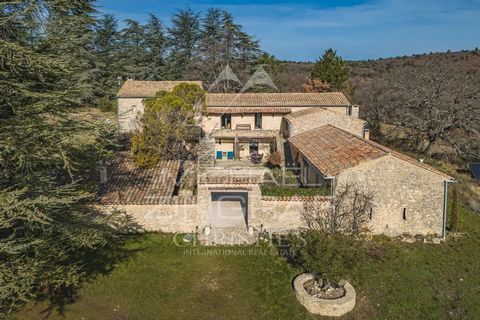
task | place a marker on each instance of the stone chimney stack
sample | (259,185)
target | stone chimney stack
(355,110)
(366,133)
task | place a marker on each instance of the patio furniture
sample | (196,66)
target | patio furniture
(256,158)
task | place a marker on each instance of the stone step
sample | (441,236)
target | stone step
(228,236)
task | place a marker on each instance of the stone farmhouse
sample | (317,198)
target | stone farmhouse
(318,135)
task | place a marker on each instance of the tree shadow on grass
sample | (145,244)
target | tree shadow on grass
(94,263)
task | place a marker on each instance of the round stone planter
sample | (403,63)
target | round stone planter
(324,307)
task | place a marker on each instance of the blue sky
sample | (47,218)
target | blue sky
(357,29)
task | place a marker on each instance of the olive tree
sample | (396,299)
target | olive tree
(330,248)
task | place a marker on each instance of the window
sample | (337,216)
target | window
(405,214)
(226,121)
(258,121)
(253,147)
(371,213)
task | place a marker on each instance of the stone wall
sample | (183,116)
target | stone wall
(270,213)
(164,218)
(127,110)
(315,120)
(399,185)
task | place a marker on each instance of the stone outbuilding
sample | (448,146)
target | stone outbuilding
(410,196)
(130,99)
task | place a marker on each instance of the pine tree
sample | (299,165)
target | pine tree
(224,43)
(156,46)
(70,36)
(211,53)
(45,228)
(332,69)
(184,37)
(108,54)
(133,51)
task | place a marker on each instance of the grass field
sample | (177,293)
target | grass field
(158,280)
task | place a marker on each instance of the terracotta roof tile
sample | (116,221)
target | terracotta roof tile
(128,184)
(296,99)
(146,89)
(333,150)
(238,110)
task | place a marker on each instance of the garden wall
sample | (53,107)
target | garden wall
(164,217)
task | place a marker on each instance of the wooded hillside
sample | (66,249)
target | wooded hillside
(427,103)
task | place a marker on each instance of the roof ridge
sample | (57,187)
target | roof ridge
(271,93)
(396,154)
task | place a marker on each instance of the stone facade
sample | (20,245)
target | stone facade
(270,121)
(271,214)
(127,111)
(165,218)
(399,185)
(298,123)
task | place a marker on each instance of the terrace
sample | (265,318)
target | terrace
(245,148)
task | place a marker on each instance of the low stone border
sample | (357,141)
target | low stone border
(324,307)
(296,198)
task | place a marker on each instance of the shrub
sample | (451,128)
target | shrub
(274,177)
(331,256)
(142,154)
(275,159)
(107,105)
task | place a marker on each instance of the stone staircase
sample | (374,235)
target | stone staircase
(206,153)
(227,237)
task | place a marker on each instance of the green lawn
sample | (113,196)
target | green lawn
(156,280)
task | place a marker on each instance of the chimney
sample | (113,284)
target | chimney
(354,110)
(366,133)
(103,175)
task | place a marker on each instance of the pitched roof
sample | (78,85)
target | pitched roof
(238,110)
(311,118)
(332,150)
(128,184)
(146,89)
(296,99)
